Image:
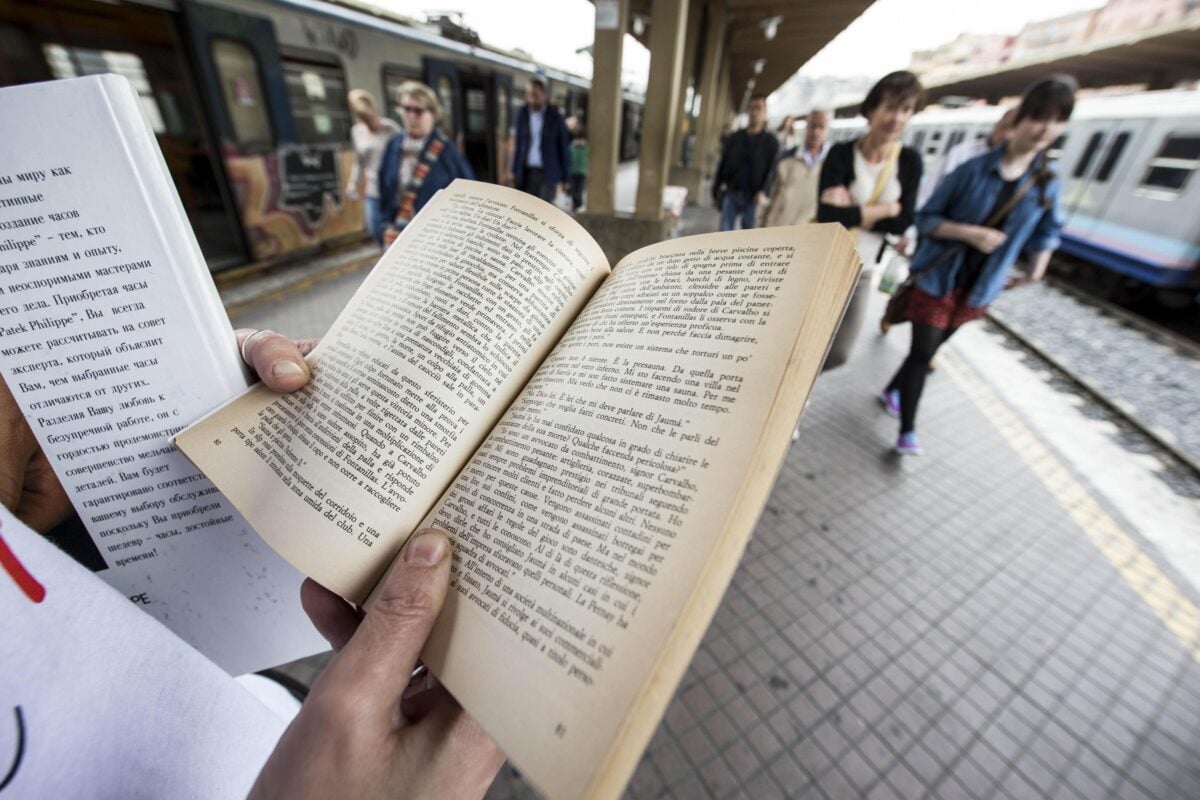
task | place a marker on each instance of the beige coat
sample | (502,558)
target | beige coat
(794,195)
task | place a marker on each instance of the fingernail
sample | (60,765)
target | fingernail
(426,549)
(286,369)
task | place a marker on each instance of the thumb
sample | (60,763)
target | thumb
(378,660)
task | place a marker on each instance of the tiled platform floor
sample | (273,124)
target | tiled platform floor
(934,627)
(978,623)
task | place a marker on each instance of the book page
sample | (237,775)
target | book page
(413,374)
(112,337)
(584,524)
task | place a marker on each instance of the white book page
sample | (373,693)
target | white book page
(112,338)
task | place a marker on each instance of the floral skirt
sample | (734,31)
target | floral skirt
(945,313)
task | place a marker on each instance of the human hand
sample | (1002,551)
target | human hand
(368,728)
(352,193)
(390,235)
(277,360)
(28,486)
(837,196)
(30,489)
(985,239)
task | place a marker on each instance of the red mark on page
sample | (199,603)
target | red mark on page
(16,570)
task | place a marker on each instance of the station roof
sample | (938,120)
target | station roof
(804,27)
(1158,56)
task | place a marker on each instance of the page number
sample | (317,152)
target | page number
(217,442)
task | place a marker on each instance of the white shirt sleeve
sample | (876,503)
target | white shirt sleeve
(98,699)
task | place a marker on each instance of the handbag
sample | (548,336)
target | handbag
(897,307)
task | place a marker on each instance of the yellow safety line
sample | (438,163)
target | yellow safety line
(1158,591)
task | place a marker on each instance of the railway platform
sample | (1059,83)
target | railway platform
(1013,615)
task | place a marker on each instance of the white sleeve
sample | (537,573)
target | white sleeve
(98,699)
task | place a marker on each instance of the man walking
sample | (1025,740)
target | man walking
(540,151)
(745,165)
(794,192)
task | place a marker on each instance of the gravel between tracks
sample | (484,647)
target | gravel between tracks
(1150,380)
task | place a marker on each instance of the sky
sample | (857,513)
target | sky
(879,41)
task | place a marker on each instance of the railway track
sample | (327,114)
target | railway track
(1064,356)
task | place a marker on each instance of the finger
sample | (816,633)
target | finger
(377,662)
(333,617)
(275,359)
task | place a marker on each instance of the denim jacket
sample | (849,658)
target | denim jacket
(967,195)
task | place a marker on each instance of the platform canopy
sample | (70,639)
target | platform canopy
(801,29)
(1159,57)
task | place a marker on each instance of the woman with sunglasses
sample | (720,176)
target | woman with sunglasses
(418,161)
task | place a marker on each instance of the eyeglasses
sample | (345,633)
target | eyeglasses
(415,110)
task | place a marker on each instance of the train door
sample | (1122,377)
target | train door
(1100,172)
(478,132)
(47,40)
(442,77)
(284,129)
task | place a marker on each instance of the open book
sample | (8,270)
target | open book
(112,337)
(599,443)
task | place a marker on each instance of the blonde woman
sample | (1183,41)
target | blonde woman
(417,161)
(369,136)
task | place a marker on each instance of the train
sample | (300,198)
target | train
(248,101)
(1130,202)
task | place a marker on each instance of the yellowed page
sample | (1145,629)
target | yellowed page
(414,372)
(600,522)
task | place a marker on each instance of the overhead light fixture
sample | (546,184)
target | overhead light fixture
(751,83)
(639,24)
(770,27)
(758,66)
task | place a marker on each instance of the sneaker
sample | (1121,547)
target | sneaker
(890,402)
(908,445)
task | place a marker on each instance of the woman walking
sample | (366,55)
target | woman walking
(870,186)
(418,161)
(369,136)
(976,223)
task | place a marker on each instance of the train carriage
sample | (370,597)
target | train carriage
(248,100)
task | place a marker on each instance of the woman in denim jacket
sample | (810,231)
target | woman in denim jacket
(971,260)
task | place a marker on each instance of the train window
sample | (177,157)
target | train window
(393,76)
(955,138)
(1174,164)
(241,87)
(1089,153)
(475,101)
(317,92)
(918,139)
(1114,155)
(74,62)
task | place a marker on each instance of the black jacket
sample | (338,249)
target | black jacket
(838,170)
(761,151)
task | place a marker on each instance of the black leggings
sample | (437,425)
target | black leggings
(910,378)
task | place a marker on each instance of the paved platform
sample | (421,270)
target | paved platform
(1013,615)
